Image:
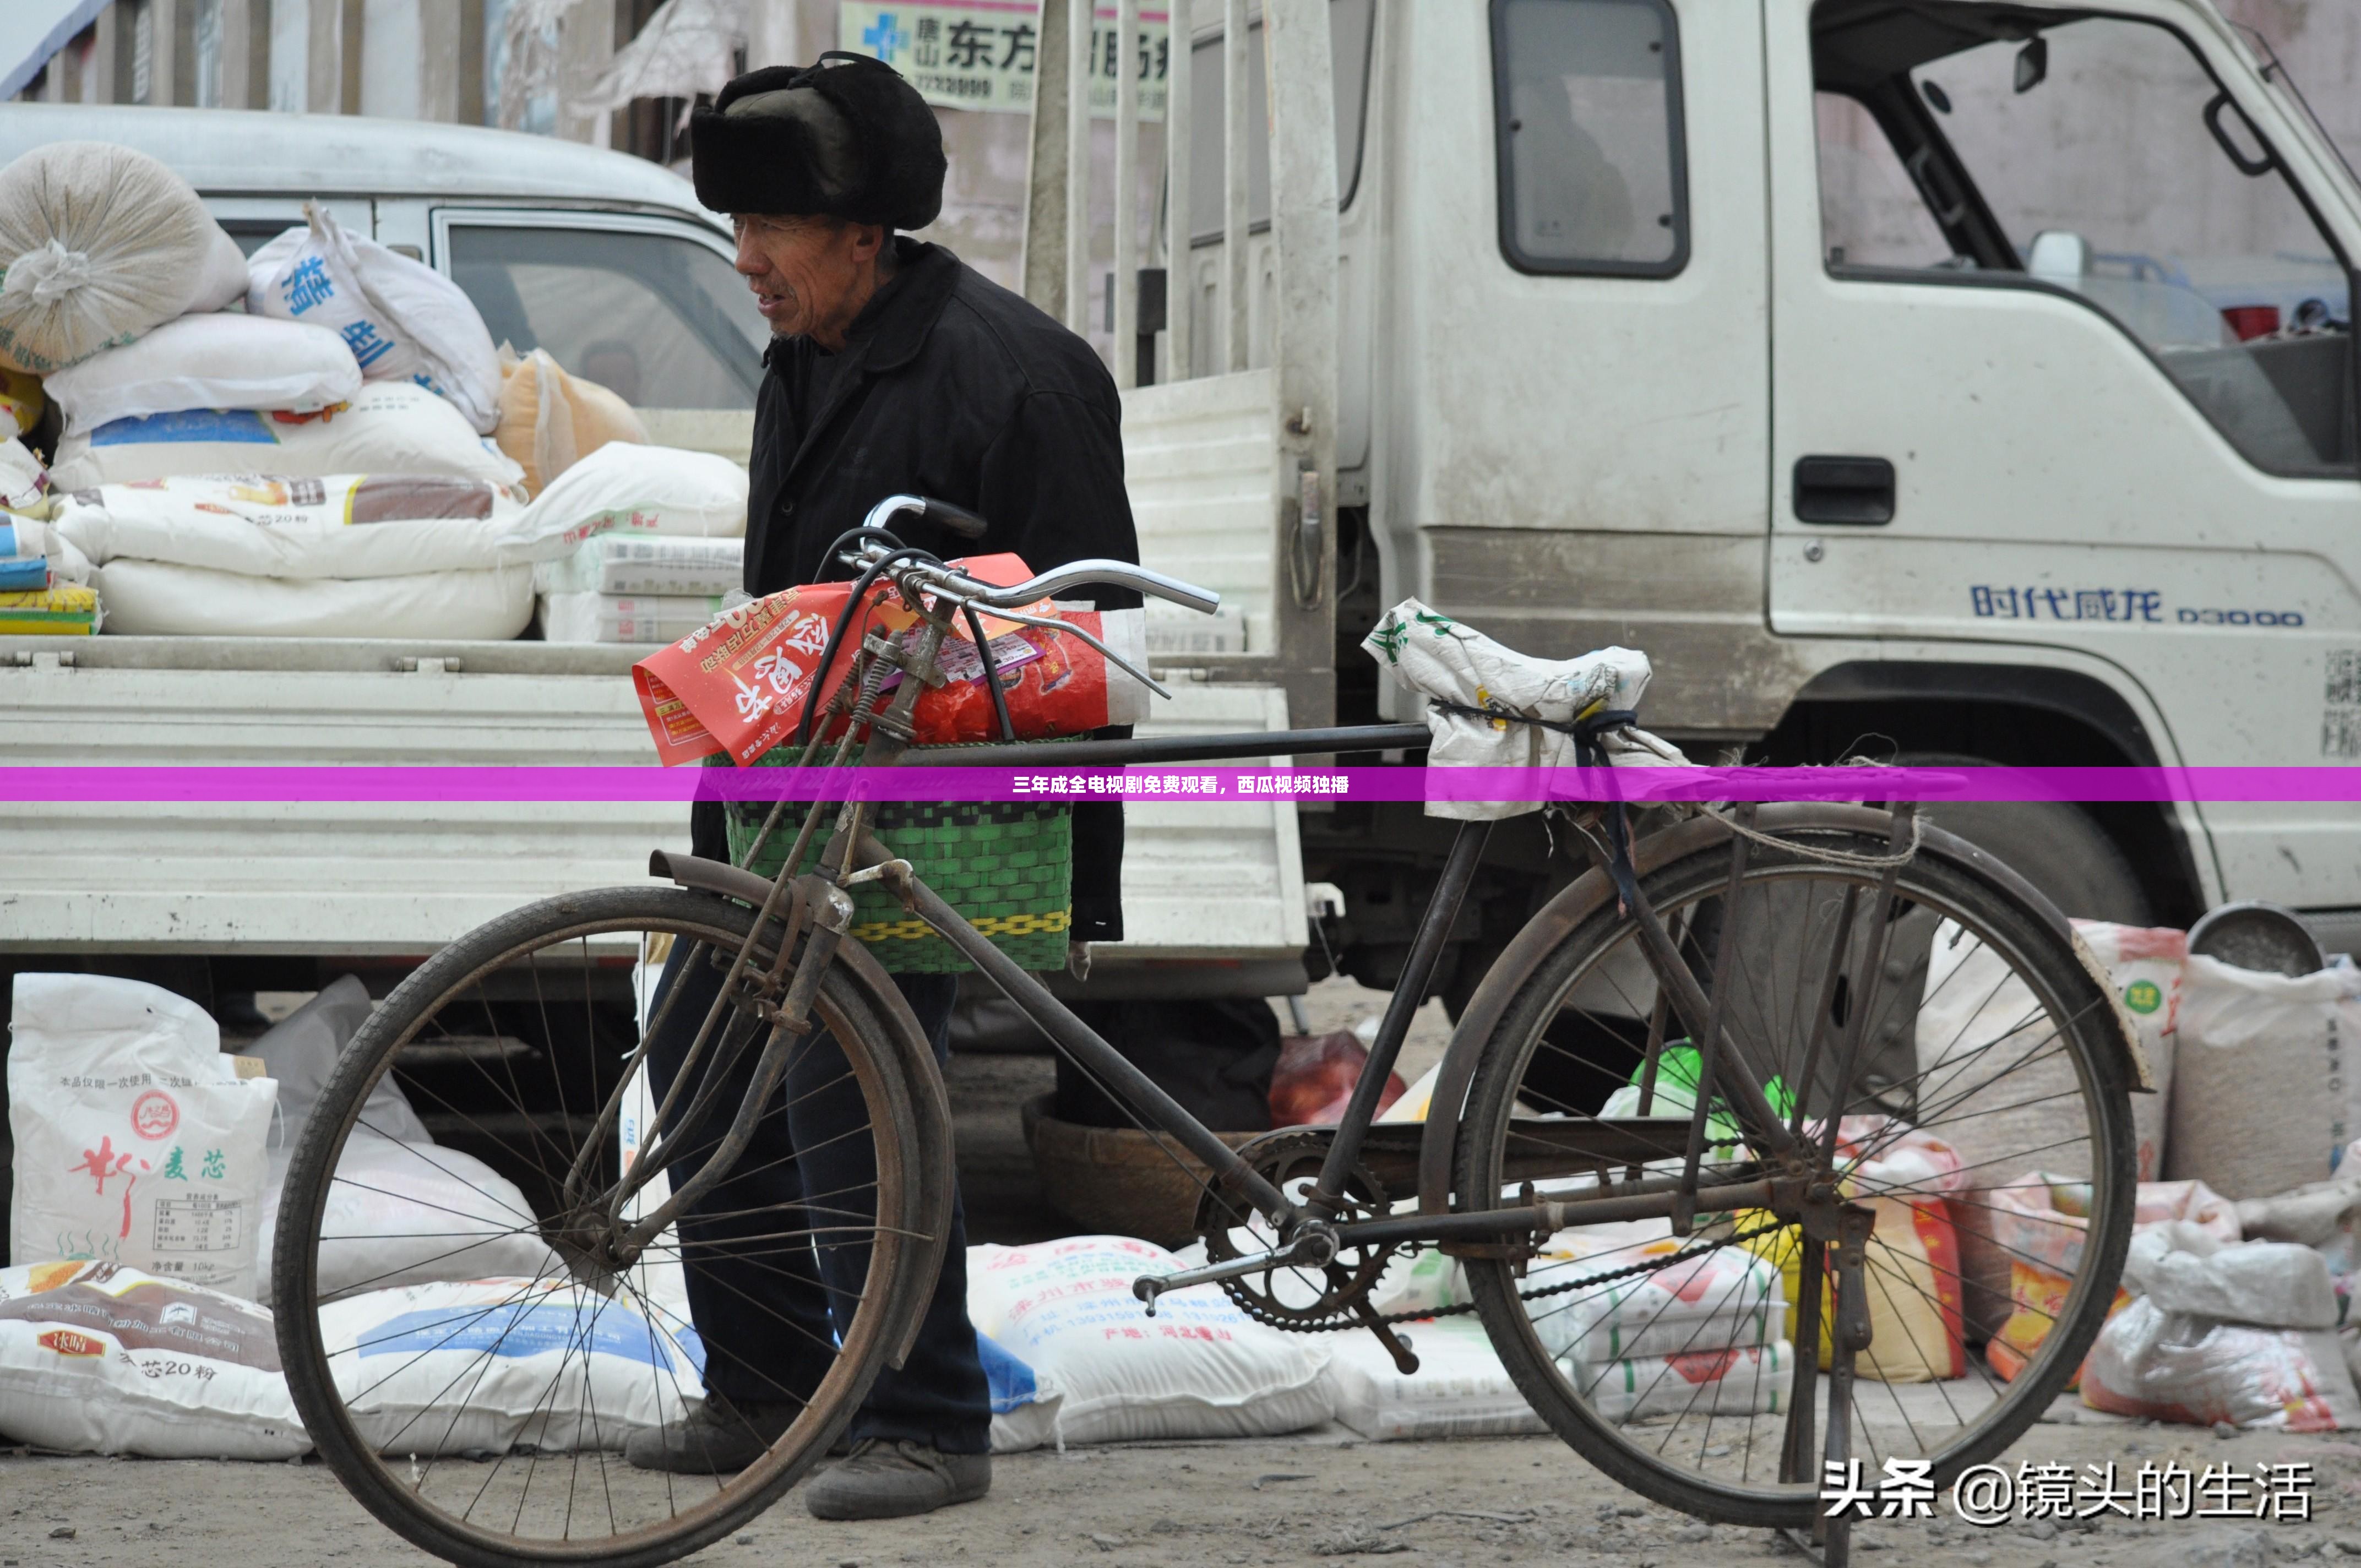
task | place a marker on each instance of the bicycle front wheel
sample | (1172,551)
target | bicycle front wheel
(1982,1114)
(471,1348)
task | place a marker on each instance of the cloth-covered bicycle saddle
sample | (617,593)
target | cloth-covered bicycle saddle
(1491,706)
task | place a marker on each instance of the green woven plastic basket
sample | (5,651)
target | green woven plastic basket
(1006,866)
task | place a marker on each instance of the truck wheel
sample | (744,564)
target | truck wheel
(2055,846)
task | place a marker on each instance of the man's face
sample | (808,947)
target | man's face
(810,275)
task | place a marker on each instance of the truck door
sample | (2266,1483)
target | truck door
(1576,361)
(2063,361)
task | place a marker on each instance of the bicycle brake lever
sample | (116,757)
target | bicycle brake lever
(957,586)
(1117,660)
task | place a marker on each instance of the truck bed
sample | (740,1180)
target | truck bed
(1212,882)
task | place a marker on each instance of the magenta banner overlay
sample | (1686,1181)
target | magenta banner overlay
(1177,782)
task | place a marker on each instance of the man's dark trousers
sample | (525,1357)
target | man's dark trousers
(760,1297)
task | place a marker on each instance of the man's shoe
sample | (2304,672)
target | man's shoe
(718,1438)
(884,1480)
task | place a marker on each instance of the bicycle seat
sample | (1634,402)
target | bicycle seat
(1491,706)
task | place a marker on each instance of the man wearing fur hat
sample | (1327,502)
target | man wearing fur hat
(892,367)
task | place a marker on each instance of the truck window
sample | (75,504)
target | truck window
(252,234)
(1350,24)
(1587,97)
(2097,157)
(1870,215)
(661,321)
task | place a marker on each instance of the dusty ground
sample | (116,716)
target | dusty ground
(1314,1499)
(1321,1498)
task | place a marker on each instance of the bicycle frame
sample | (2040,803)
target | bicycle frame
(1775,1180)
(1598,1145)
(1785,1166)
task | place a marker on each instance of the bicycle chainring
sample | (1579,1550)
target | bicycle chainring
(1296,1297)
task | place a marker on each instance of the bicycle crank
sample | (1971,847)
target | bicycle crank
(1313,1248)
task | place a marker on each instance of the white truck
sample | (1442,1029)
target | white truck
(608,263)
(1916,378)
(1921,378)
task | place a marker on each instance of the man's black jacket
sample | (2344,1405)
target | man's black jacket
(951,386)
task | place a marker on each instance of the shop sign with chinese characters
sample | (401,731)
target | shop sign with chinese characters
(980,54)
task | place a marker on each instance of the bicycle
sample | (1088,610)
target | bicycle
(1902,1042)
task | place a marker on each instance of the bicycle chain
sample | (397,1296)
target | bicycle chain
(1608,1277)
(1249,1302)
(1257,1306)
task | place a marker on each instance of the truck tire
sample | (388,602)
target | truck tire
(2055,846)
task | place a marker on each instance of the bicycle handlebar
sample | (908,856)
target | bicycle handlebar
(1048,585)
(958,519)
(1081,574)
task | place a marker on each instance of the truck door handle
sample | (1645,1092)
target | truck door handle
(1856,490)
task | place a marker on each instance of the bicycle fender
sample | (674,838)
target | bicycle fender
(929,1110)
(1582,897)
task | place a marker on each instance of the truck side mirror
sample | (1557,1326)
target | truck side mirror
(2032,65)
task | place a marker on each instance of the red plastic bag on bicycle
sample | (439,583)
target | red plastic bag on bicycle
(1315,1079)
(1053,682)
(740,685)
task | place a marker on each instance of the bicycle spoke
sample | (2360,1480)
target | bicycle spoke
(507,1404)
(1896,1006)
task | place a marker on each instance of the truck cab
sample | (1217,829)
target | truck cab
(1920,379)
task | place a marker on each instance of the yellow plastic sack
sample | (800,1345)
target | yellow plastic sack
(550,421)
(1917,1332)
(20,400)
(2037,1299)
(66,609)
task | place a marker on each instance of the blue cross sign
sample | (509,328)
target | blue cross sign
(885,37)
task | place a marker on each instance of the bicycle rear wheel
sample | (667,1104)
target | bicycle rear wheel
(461,1351)
(1985,1121)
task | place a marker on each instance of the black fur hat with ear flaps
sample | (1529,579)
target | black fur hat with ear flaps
(847,137)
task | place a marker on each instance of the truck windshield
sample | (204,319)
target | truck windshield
(658,319)
(2284,84)
(2099,157)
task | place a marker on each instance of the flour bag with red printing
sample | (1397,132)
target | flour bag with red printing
(739,687)
(137,1142)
